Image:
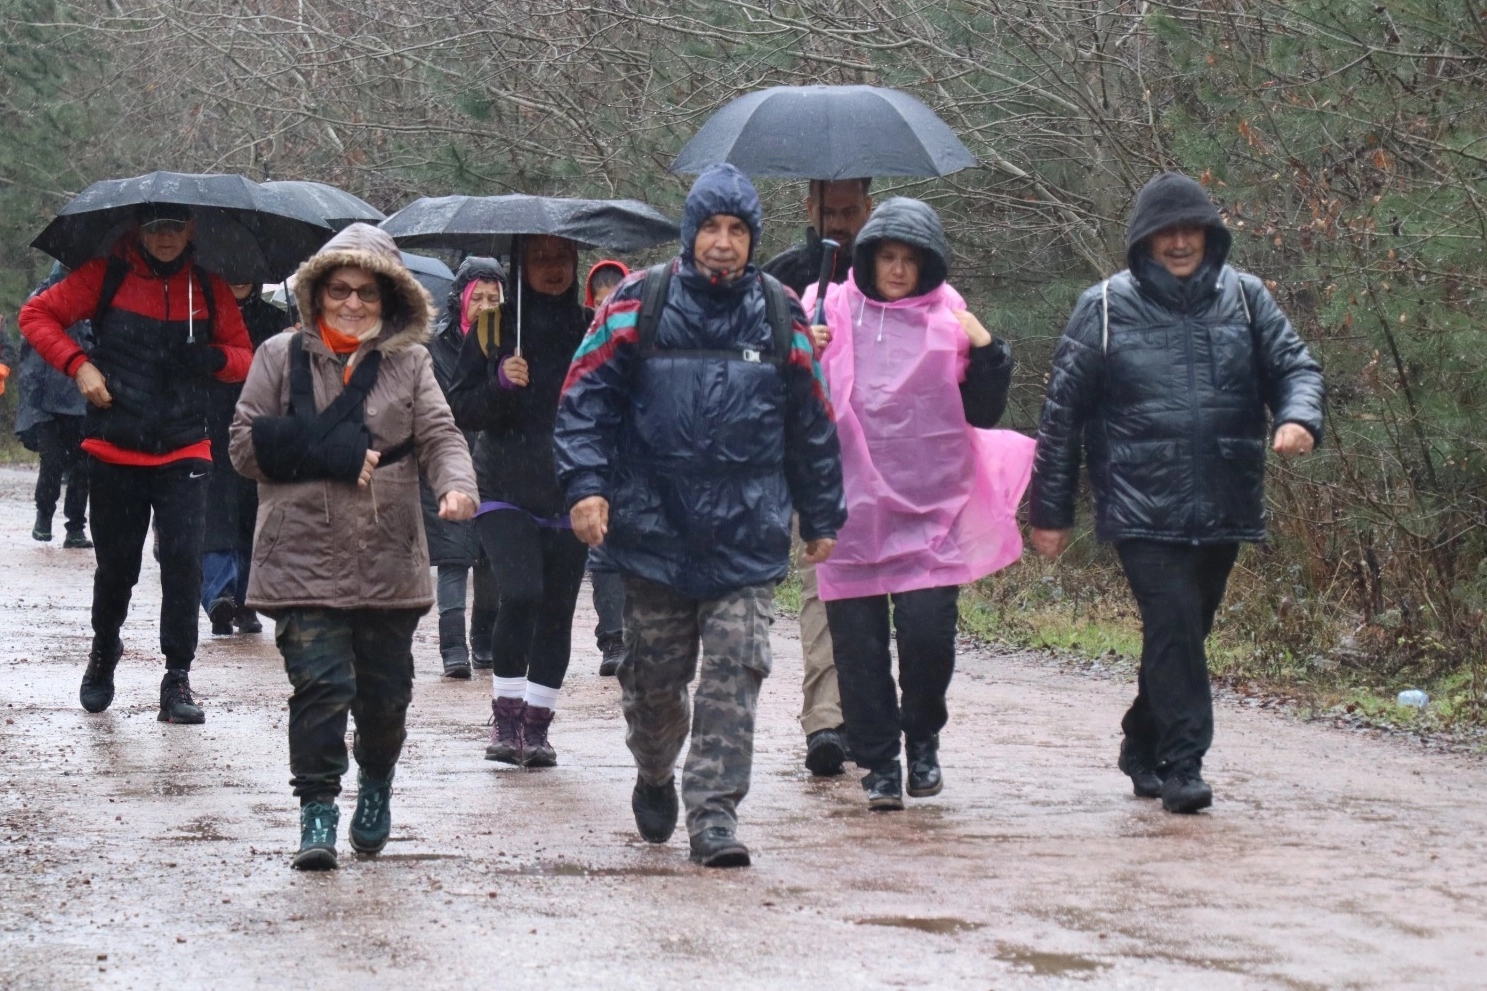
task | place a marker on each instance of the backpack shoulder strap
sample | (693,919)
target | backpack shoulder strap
(208,295)
(301,385)
(652,302)
(777,311)
(113,278)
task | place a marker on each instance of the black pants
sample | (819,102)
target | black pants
(925,623)
(539,571)
(609,601)
(1178,588)
(340,661)
(59,440)
(123,498)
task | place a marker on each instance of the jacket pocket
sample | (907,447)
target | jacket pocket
(1149,485)
(267,535)
(1238,486)
(1232,355)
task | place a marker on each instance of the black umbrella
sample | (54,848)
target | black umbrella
(432,274)
(336,207)
(486,225)
(826,132)
(243,233)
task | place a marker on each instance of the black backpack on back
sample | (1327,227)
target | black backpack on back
(653,301)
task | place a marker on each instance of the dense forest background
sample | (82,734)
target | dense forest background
(1345,141)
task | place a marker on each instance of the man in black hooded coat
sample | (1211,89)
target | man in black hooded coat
(1164,376)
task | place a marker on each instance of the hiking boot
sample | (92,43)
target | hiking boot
(482,629)
(97,690)
(1145,781)
(176,703)
(923,757)
(317,837)
(221,613)
(655,808)
(716,846)
(884,787)
(612,645)
(372,821)
(453,650)
(1183,788)
(535,750)
(247,621)
(824,753)
(76,540)
(506,727)
(43,529)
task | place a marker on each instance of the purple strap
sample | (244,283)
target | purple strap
(561,523)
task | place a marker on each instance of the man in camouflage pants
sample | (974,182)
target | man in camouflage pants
(693,419)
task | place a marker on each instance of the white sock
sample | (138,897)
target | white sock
(508,688)
(542,696)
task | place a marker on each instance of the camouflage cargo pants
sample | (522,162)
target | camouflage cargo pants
(345,661)
(664,631)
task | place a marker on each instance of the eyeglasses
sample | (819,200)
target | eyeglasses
(340,290)
(164,227)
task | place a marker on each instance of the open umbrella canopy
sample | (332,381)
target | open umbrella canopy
(336,207)
(826,132)
(486,224)
(243,232)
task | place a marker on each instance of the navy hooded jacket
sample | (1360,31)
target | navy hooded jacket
(701,456)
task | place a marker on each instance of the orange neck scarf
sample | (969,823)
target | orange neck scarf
(335,340)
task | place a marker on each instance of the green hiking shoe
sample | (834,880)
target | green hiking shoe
(372,822)
(317,837)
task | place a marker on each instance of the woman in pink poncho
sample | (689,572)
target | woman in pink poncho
(931,492)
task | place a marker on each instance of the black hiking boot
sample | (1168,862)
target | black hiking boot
(884,787)
(655,808)
(1183,788)
(221,613)
(176,703)
(372,821)
(482,629)
(825,752)
(536,751)
(923,757)
(1145,781)
(247,620)
(506,727)
(317,837)
(612,645)
(453,650)
(76,540)
(97,691)
(43,529)
(716,846)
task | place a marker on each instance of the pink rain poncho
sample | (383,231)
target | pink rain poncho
(931,500)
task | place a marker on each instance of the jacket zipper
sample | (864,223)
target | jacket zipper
(1188,330)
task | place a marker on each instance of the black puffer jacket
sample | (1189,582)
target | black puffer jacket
(799,265)
(701,451)
(1172,410)
(513,454)
(453,542)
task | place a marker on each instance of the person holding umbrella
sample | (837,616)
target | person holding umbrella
(163,329)
(454,548)
(337,423)
(506,386)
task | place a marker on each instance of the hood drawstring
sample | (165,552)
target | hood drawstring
(372,488)
(325,497)
(882,316)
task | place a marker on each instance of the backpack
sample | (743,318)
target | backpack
(653,301)
(118,270)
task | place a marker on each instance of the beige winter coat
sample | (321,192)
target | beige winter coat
(333,544)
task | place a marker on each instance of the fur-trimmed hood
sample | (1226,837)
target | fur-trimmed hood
(405,323)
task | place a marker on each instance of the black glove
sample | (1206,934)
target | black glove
(199,359)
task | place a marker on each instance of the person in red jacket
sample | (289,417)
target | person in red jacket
(162,329)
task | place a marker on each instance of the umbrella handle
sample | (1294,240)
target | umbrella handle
(516,267)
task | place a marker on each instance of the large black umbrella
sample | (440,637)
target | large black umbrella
(432,274)
(336,207)
(826,132)
(486,225)
(243,232)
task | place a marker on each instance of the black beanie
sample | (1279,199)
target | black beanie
(1169,200)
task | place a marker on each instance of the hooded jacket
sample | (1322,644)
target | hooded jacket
(700,454)
(513,451)
(931,499)
(453,542)
(155,369)
(619,267)
(1170,405)
(333,544)
(45,392)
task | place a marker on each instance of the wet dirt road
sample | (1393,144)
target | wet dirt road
(138,855)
